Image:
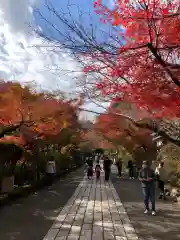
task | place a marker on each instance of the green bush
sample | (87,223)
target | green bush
(26,172)
(23,173)
(19,175)
(170,154)
(63,161)
(42,159)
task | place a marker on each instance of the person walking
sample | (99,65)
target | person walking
(107,168)
(161,178)
(50,170)
(130,167)
(135,172)
(96,158)
(90,168)
(147,178)
(138,166)
(119,167)
(98,170)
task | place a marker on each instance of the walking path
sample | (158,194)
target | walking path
(30,218)
(166,225)
(77,208)
(93,212)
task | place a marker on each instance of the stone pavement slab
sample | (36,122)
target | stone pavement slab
(30,218)
(94,212)
(77,208)
(166,225)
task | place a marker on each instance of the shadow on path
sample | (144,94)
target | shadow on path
(166,225)
(30,218)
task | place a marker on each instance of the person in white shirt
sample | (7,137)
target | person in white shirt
(96,158)
(162,178)
(50,170)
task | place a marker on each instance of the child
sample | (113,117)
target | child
(98,170)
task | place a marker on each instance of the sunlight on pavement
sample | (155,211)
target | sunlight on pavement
(93,212)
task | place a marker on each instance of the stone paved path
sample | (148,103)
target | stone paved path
(93,212)
(30,218)
(166,225)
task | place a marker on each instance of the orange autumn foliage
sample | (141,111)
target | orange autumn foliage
(120,131)
(42,114)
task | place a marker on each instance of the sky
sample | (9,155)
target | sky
(26,57)
(75,8)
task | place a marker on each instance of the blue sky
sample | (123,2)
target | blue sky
(75,7)
(24,56)
(72,6)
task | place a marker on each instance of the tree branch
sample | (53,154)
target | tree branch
(163,64)
(167,131)
(9,129)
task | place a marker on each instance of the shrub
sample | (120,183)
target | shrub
(63,161)
(170,154)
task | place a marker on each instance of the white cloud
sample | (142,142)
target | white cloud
(20,60)
(17,14)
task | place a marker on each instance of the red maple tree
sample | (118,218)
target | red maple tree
(143,66)
(135,59)
(121,131)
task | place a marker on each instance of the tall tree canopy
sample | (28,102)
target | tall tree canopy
(144,69)
(136,59)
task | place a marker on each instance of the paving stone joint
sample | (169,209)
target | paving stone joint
(94,211)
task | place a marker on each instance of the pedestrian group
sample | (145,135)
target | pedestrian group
(147,174)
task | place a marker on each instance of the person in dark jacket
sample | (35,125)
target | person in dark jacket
(90,162)
(107,168)
(119,167)
(90,168)
(98,170)
(147,178)
(130,167)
